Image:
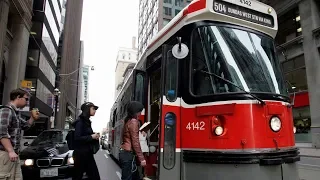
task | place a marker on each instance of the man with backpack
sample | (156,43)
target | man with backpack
(11,124)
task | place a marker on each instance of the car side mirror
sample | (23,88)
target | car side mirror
(26,144)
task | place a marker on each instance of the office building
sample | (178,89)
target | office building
(15,26)
(153,16)
(69,64)
(298,48)
(42,59)
(80,83)
(125,57)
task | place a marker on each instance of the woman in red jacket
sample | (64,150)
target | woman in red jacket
(130,146)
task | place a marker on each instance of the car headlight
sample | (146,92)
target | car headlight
(218,130)
(275,124)
(70,160)
(28,162)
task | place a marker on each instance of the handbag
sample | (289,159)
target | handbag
(95,146)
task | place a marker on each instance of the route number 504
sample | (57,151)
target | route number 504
(198,126)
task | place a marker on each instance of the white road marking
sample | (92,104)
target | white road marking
(118,174)
(106,156)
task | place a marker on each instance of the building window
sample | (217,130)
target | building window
(167,11)
(295,73)
(123,56)
(289,26)
(177,11)
(167,1)
(165,22)
(179,3)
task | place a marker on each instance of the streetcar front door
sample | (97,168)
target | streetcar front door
(169,154)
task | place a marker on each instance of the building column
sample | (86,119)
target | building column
(17,58)
(308,15)
(4,12)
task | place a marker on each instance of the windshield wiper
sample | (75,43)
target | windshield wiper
(229,82)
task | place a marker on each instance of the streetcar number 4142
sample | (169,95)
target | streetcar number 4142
(198,126)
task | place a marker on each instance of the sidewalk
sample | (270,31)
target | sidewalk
(309,166)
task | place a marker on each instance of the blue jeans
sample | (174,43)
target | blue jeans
(128,166)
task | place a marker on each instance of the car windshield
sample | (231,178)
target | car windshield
(244,58)
(49,137)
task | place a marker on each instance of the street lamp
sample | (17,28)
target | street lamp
(56,94)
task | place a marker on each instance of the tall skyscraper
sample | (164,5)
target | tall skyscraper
(69,64)
(153,16)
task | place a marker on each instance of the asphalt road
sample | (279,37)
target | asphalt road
(108,169)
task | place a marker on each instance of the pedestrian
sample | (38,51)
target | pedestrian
(130,146)
(11,124)
(85,141)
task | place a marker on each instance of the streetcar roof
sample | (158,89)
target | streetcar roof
(203,10)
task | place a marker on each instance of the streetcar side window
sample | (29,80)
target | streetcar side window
(171,84)
(139,88)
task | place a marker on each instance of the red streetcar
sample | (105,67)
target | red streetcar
(215,95)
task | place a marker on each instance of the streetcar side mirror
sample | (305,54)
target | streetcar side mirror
(180,50)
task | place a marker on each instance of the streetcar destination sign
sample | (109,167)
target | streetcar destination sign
(243,13)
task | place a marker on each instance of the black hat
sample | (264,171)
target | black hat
(88,105)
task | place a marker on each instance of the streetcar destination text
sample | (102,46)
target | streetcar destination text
(243,13)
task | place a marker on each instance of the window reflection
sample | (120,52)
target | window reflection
(56,9)
(33,57)
(45,67)
(302,121)
(52,23)
(289,26)
(47,41)
(43,92)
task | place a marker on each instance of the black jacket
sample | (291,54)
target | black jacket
(82,135)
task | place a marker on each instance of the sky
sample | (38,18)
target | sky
(106,26)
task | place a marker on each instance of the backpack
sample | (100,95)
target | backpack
(70,139)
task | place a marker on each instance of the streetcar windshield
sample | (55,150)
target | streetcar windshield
(244,58)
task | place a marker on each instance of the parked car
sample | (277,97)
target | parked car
(105,144)
(102,139)
(48,156)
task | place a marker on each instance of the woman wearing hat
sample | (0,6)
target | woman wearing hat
(130,147)
(84,141)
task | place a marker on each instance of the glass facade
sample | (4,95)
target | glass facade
(47,70)
(43,53)
(48,43)
(43,93)
(52,23)
(57,11)
(294,68)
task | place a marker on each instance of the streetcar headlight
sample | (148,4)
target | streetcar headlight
(28,162)
(70,160)
(218,130)
(294,129)
(275,124)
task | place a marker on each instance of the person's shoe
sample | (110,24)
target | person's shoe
(146,178)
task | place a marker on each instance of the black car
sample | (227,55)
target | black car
(48,156)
